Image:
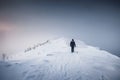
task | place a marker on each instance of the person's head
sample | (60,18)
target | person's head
(72,39)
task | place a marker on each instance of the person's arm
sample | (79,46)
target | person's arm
(75,44)
(70,44)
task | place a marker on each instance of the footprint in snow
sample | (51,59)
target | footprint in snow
(24,73)
(50,54)
(46,61)
(8,65)
(32,65)
(31,77)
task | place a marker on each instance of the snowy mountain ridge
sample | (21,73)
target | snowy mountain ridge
(54,61)
(56,45)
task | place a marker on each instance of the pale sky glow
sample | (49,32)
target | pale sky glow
(5,27)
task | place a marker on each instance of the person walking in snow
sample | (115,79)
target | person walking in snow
(72,45)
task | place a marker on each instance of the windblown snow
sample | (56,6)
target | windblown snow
(54,61)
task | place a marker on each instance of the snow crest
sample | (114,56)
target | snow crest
(54,61)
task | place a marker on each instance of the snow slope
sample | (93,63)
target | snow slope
(54,61)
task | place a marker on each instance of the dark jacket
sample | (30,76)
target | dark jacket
(72,43)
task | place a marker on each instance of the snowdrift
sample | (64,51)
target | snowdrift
(54,61)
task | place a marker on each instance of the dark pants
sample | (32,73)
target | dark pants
(72,49)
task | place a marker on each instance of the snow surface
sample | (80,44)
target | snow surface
(54,61)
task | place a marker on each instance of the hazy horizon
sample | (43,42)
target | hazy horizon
(94,22)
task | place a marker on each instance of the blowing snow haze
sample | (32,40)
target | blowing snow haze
(95,22)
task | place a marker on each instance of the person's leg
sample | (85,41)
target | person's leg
(72,49)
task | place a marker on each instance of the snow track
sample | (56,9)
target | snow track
(56,62)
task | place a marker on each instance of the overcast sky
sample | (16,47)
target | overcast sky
(95,22)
